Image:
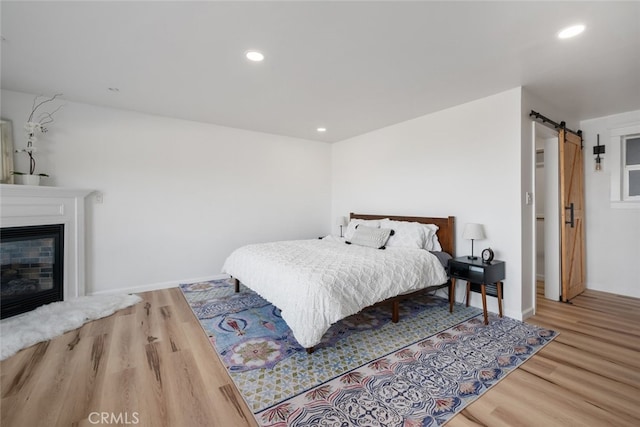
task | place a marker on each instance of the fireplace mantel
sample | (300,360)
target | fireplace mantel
(24,205)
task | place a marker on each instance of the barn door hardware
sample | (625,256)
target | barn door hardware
(571,221)
(561,125)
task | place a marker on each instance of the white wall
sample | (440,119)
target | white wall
(463,161)
(185,194)
(179,196)
(612,233)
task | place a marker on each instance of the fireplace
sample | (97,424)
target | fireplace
(27,205)
(32,267)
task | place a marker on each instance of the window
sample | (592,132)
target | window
(624,161)
(631,167)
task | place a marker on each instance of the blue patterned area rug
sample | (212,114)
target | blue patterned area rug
(367,370)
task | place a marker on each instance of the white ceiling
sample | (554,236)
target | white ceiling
(351,67)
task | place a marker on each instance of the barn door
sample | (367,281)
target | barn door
(572,215)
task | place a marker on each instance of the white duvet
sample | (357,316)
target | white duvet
(318,282)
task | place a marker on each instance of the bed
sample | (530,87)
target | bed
(318,282)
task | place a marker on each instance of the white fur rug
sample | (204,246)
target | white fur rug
(49,321)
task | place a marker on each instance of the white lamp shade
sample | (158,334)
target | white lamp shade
(473,231)
(341,220)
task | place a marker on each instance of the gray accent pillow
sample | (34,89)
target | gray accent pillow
(370,237)
(443,257)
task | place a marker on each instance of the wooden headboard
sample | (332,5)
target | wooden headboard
(446,232)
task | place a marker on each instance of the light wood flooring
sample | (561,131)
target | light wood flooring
(152,365)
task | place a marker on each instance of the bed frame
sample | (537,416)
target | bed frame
(446,237)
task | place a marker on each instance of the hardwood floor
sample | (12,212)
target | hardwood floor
(588,376)
(151,365)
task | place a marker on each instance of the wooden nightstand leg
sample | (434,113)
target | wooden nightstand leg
(484,303)
(499,286)
(452,294)
(468,292)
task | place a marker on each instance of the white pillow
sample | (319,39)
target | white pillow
(429,232)
(407,234)
(431,242)
(351,227)
(436,243)
(371,237)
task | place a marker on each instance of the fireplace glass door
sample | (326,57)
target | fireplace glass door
(32,259)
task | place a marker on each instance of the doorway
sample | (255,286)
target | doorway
(547,212)
(559,212)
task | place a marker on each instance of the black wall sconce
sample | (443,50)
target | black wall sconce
(597,150)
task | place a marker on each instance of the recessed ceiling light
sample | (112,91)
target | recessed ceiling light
(254,55)
(321,129)
(572,31)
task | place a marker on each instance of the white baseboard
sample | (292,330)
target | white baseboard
(492,304)
(157,286)
(527,313)
(540,277)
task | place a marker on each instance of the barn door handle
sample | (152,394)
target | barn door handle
(570,208)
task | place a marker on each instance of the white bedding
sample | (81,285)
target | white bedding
(318,282)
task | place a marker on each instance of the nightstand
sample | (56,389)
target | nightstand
(485,278)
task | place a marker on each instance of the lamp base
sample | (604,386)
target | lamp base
(471,257)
